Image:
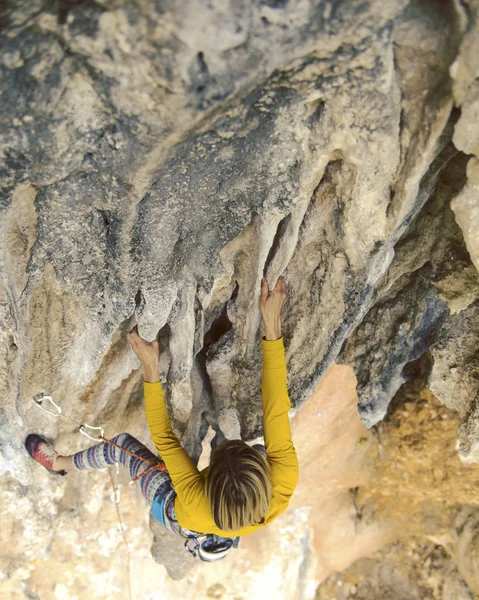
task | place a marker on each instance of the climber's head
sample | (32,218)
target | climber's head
(238,485)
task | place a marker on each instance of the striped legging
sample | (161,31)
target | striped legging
(103,455)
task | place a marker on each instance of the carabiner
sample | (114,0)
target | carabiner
(192,550)
(49,399)
(82,427)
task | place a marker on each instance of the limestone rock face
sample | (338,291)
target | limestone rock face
(159,158)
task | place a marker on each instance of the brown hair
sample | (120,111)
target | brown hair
(238,485)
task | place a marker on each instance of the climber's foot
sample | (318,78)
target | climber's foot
(41,451)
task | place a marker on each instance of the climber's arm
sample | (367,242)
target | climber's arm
(182,470)
(277,431)
(276,403)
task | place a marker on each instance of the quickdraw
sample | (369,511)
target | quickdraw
(82,428)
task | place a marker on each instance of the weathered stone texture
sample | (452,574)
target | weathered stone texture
(158,158)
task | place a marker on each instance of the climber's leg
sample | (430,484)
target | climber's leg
(63,463)
(103,455)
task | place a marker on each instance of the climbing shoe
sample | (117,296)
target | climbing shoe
(41,451)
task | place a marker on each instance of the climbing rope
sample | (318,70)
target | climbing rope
(56,411)
(116,499)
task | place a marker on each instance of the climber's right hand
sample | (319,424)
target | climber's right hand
(147,352)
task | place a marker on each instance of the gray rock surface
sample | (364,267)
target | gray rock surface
(158,158)
(168,550)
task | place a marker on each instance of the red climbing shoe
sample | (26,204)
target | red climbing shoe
(41,451)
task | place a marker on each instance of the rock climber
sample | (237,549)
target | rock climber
(243,488)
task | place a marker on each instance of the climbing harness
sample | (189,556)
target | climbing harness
(82,428)
(209,547)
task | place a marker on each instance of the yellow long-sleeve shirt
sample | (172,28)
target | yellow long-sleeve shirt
(191,504)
